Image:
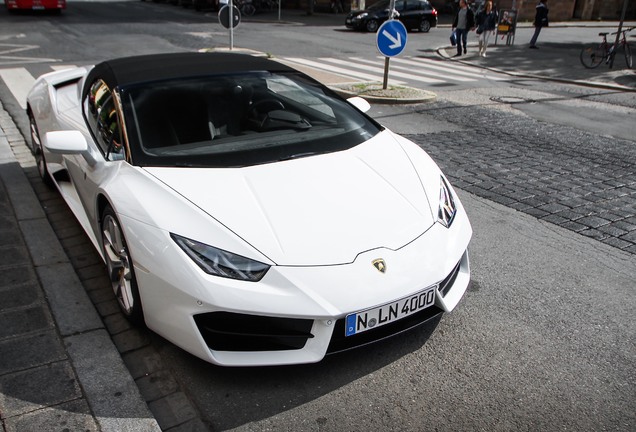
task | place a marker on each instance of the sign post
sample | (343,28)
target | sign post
(391,41)
(230,14)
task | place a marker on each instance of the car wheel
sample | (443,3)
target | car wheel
(248,9)
(372,26)
(120,267)
(425,26)
(38,151)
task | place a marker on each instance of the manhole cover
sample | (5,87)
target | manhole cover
(511,99)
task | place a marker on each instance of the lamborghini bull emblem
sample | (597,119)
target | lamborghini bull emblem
(380,265)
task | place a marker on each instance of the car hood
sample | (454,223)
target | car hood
(316,210)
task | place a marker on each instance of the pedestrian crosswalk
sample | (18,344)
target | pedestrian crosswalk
(19,82)
(414,71)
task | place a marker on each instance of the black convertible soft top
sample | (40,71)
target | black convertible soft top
(156,67)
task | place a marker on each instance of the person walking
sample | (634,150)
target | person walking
(487,19)
(464,22)
(540,21)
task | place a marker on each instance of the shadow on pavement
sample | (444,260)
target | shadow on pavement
(552,60)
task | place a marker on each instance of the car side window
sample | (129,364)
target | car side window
(413,5)
(101,113)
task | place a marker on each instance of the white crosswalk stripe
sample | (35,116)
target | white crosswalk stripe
(407,65)
(62,67)
(380,70)
(19,81)
(402,70)
(450,68)
(354,74)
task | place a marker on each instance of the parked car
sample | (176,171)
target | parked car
(246,212)
(55,5)
(414,14)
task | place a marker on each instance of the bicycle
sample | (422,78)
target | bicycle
(593,55)
(246,7)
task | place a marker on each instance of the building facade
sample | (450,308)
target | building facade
(560,10)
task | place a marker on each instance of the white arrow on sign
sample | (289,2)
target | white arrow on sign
(397,42)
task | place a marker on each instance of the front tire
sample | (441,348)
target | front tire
(38,151)
(592,56)
(425,26)
(248,9)
(120,267)
(372,26)
(628,57)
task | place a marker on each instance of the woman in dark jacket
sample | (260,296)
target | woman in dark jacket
(540,21)
(486,23)
(464,22)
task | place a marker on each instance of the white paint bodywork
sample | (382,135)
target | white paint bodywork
(319,222)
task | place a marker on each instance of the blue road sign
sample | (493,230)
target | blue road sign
(391,38)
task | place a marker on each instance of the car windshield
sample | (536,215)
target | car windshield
(238,120)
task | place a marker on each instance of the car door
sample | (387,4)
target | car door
(103,117)
(410,13)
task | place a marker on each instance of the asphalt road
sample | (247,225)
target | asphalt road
(544,338)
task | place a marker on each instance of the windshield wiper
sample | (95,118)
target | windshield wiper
(298,156)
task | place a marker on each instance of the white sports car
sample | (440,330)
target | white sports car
(246,212)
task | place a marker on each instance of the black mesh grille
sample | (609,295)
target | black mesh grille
(447,284)
(225,331)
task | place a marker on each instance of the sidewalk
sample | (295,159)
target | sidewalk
(553,61)
(59,369)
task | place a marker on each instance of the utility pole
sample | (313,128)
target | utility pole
(618,34)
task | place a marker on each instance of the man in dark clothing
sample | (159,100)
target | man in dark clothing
(464,22)
(540,21)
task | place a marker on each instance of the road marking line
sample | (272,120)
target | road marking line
(346,72)
(62,67)
(453,68)
(444,76)
(381,71)
(19,81)
(6,48)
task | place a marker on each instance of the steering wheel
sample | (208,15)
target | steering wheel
(259,109)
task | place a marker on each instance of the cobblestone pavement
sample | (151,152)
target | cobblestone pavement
(580,181)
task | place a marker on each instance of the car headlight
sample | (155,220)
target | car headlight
(361,16)
(218,262)
(447,208)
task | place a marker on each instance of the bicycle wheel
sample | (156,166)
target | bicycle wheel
(628,56)
(592,55)
(248,9)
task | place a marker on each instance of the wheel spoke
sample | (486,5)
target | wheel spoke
(118,264)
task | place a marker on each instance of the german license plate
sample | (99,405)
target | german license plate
(360,322)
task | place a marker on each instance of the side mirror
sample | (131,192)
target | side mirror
(68,143)
(65,142)
(359,103)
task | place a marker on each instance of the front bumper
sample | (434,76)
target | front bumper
(295,314)
(355,24)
